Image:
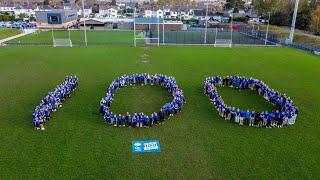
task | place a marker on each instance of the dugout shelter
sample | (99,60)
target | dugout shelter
(56,19)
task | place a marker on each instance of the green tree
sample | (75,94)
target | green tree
(161,3)
(46,2)
(114,2)
(32,18)
(315,21)
(129,10)
(234,4)
(22,15)
(263,7)
(306,7)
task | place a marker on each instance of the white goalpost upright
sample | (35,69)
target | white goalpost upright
(163,27)
(84,25)
(134,28)
(149,22)
(206,23)
(61,42)
(225,42)
(293,23)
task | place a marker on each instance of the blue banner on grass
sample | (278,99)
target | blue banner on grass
(148,146)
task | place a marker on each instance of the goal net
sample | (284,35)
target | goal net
(223,43)
(58,42)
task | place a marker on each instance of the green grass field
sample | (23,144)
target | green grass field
(4,32)
(300,37)
(95,37)
(195,144)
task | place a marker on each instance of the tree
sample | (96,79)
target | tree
(32,18)
(263,7)
(6,17)
(22,15)
(315,21)
(236,5)
(114,2)
(161,3)
(46,2)
(78,2)
(282,11)
(303,16)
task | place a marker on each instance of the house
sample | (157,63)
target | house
(87,11)
(150,13)
(112,13)
(16,11)
(185,15)
(199,14)
(8,9)
(173,14)
(66,6)
(130,5)
(27,10)
(103,12)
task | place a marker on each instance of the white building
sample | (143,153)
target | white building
(247,2)
(185,15)
(112,13)
(16,11)
(25,10)
(173,14)
(8,9)
(87,12)
(157,14)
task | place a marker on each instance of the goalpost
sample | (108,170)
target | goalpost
(149,22)
(66,41)
(61,42)
(225,42)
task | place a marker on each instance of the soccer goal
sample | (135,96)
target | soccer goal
(146,25)
(61,41)
(223,43)
(223,39)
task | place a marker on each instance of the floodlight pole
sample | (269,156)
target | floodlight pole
(252,28)
(158,22)
(84,25)
(266,39)
(293,25)
(163,27)
(231,26)
(134,28)
(215,37)
(206,28)
(69,37)
(52,36)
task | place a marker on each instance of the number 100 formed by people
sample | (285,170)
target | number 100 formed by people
(285,112)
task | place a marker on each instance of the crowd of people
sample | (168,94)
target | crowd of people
(52,101)
(285,112)
(141,119)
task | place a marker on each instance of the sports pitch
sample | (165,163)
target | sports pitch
(125,37)
(94,37)
(195,144)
